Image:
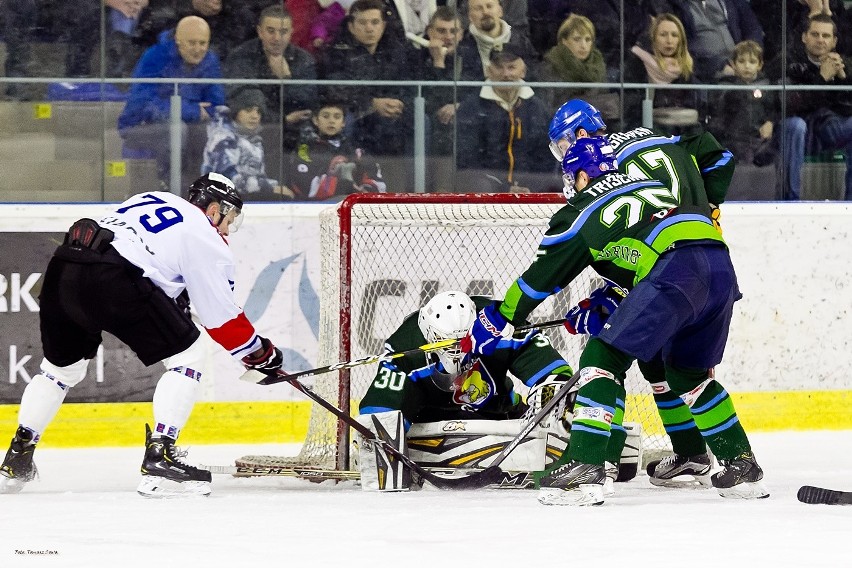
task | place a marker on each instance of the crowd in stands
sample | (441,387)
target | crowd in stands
(321,142)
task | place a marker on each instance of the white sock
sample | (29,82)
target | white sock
(174,398)
(40,403)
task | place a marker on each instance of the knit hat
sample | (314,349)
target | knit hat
(247,98)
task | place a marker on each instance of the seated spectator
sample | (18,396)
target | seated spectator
(326,164)
(325,26)
(502,134)
(514,14)
(383,115)
(771,15)
(743,121)
(144,122)
(712,29)
(235,148)
(816,119)
(438,63)
(271,56)
(546,16)
(665,61)
(575,59)
(488,31)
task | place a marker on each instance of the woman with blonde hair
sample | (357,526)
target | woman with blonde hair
(576,59)
(663,59)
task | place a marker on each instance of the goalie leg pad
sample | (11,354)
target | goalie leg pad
(381,470)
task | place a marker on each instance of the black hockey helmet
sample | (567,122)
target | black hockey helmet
(213,187)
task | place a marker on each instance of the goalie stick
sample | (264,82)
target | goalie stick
(820,496)
(259,378)
(487,476)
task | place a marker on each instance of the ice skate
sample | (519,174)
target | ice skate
(574,483)
(740,478)
(164,474)
(681,471)
(18,467)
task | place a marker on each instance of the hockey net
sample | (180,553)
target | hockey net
(384,256)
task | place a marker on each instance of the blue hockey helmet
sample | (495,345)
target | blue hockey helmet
(572,115)
(594,155)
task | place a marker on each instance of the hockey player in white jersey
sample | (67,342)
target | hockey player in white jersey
(132,274)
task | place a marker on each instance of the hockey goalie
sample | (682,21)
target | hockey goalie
(451,412)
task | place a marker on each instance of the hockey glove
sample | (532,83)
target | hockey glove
(487,330)
(268,359)
(590,315)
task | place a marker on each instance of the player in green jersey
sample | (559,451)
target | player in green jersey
(697,162)
(449,385)
(659,241)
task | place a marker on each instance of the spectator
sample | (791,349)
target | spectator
(822,117)
(503,133)
(665,61)
(514,13)
(144,123)
(575,59)
(546,16)
(303,12)
(383,114)
(488,31)
(770,16)
(235,148)
(325,26)
(744,120)
(326,164)
(438,63)
(271,56)
(712,29)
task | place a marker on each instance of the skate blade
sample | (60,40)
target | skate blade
(585,495)
(10,485)
(752,490)
(683,482)
(160,488)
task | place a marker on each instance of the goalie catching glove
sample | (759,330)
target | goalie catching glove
(268,359)
(487,330)
(590,315)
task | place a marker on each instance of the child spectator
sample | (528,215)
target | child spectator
(235,148)
(576,59)
(326,164)
(743,120)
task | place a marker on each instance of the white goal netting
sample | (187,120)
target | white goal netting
(384,256)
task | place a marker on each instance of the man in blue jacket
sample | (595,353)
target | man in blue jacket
(144,124)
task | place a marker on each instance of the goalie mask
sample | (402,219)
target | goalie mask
(216,188)
(448,315)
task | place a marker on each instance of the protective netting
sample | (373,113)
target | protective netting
(402,254)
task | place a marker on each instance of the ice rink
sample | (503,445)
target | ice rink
(84,511)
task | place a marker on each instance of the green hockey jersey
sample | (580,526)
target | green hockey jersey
(483,389)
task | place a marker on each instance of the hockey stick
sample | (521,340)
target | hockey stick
(258,378)
(820,496)
(487,476)
(312,474)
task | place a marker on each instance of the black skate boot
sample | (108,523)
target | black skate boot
(740,478)
(165,475)
(681,471)
(574,483)
(18,467)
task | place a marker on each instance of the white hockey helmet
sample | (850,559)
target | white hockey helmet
(448,315)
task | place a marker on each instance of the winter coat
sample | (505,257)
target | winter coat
(150,102)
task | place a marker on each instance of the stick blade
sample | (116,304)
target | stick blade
(821,496)
(492,475)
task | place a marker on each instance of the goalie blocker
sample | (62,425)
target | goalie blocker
(452,446)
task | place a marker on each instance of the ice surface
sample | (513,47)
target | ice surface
(85,509)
